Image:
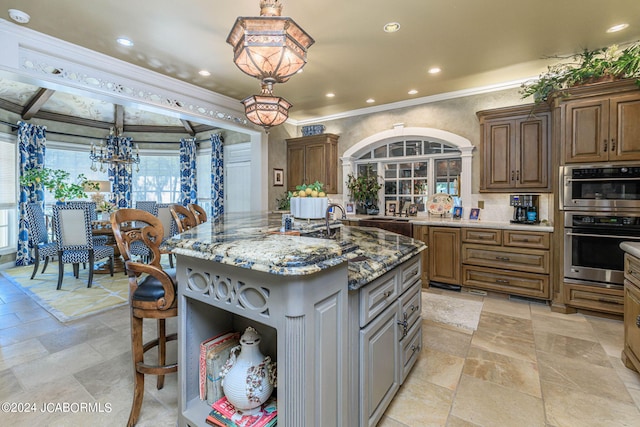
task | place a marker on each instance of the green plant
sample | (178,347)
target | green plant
(284,203)
(587,67)
(57,182)
(364,187)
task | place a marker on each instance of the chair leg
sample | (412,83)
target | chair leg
(138,379)
(111,266)
(60,270)
(46,262)
(91,260)
(171,260)
(76,270)
(36,264)
(162,349)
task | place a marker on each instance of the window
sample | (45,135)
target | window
(8,194)
(203,176)
(412,170)
(158,178)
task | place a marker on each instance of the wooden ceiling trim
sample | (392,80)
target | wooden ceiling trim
(36,102)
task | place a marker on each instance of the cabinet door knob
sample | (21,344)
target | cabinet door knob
(604,148)
(613,144)
(387,294)
(415,348)
(638,321)
(517,175)
(513,175)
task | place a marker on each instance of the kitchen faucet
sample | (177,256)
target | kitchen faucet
(326,216)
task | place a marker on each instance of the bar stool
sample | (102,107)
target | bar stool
(153,297)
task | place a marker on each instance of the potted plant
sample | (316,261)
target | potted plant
(593,66)
(57,182)
(364,191)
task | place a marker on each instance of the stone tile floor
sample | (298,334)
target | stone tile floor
(523,366)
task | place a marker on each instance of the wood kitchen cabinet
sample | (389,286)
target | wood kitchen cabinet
(444,255)
(515,149)
(313,158)
(600,126)
(631,350)
(421,232)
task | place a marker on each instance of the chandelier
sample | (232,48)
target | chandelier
(265,109)
(116,151)
(270,48)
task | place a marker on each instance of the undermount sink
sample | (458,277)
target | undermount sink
(396,225)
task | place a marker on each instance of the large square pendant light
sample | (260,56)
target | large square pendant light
(270,47)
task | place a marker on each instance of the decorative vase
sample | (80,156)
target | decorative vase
(248,378)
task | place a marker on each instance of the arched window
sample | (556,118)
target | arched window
(413,164)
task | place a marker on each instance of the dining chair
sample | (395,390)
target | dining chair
(169,225)
(150,206)
(97,240)
(198,212)
(74,239)
(138,248)
(39,237)
(152,295)
(183,217)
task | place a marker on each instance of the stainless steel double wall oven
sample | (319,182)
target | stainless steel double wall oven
(601,206)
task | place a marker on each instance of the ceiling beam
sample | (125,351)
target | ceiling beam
(119,119)
(36,103)
(188,127)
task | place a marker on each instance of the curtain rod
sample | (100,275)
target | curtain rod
(15,126)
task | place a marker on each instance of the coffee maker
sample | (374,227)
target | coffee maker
(525,208)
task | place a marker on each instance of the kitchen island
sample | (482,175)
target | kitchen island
(340,315)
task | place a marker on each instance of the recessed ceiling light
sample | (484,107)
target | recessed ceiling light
(617,28)
(412,92)
(19,16)
(330,95)
(434,70)
(391,27)
(124,41)
(370,101)
(204,73)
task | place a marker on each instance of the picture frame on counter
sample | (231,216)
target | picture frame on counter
(413,210)
(457,212)
(350,208)
(278,177)
(391,206)
(474,214)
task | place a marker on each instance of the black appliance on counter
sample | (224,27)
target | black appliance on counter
(525,208)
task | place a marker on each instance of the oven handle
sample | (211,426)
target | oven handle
(602,235)
(568,180)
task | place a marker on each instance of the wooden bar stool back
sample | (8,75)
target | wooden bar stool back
(183,217)
(151,297)
(198,212)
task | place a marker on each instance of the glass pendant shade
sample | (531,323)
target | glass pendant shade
(270,47)
(266,110)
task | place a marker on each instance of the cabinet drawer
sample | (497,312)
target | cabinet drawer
(526,239)
(486,236)
(632,323)
(411,306)
(594,298)
(410,273)
(530,260)
(377,296)
(632,269)
(411,345)
(511,282)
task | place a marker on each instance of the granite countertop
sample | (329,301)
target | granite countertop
(253,241)
(450,222)
(633,248)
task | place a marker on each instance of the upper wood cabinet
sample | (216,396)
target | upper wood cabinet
(602,128)
(515,149)
(313,158)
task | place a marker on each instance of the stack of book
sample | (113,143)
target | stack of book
(225,415)
(214,352)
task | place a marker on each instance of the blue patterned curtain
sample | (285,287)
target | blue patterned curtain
(188,184)
(217,177)
(31,145)
(120,174)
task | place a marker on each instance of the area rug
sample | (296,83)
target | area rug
(451,310)
(74,301)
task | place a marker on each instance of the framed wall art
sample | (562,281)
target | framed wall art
(278,177)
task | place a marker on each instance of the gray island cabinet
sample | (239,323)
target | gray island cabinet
(340,316)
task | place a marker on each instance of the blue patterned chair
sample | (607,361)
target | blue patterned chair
(74,239)
(39,237)
(148,206)
(138,248)
(183,217)
(97,240)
